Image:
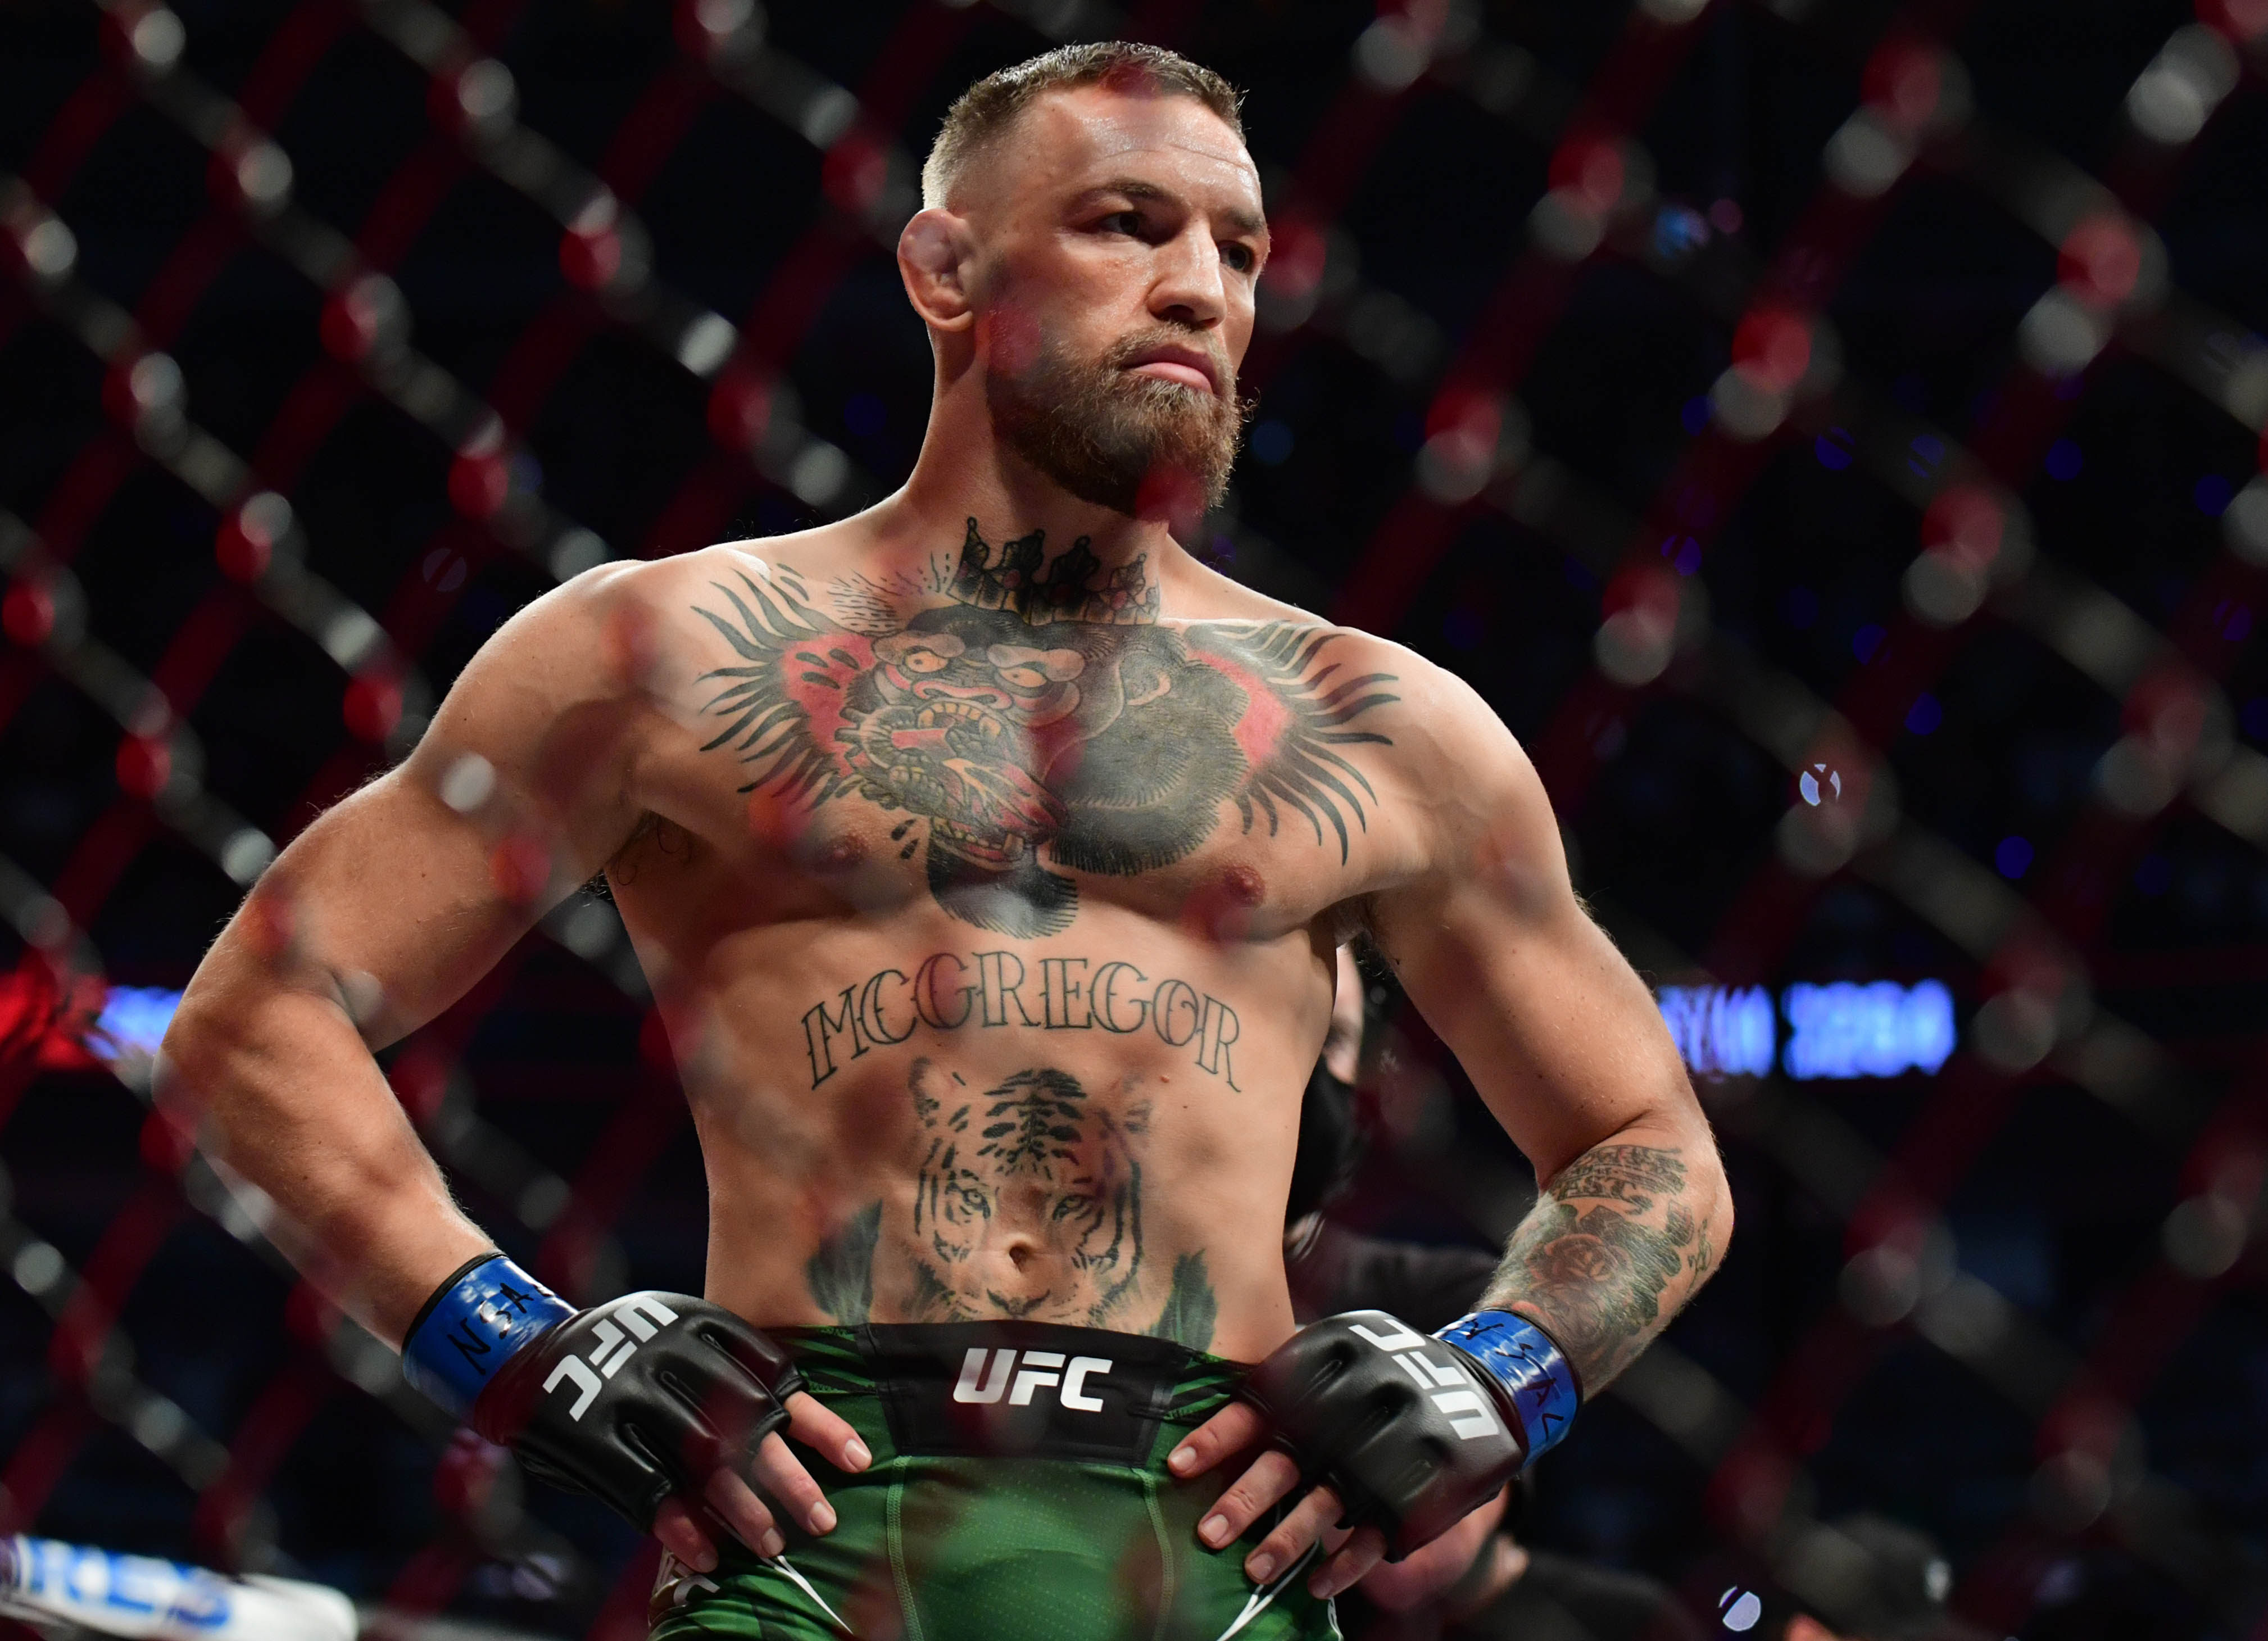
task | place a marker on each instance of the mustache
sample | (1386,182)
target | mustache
(1127,349)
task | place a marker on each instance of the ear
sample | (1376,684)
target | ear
(936,257)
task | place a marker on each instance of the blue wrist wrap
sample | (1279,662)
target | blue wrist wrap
(483,1317)
(1528,1363)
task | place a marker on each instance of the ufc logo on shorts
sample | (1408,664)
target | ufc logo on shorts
(642,1315)
(1041,1368)
(1444,1382)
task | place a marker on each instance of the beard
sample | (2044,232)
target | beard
(1132,444)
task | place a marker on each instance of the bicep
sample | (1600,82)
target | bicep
(399,898)
(388,906)
(1557,1032)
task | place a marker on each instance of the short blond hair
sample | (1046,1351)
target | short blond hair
(988,108)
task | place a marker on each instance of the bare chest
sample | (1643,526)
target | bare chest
(1007,770)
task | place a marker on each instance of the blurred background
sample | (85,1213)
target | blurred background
(1827,432)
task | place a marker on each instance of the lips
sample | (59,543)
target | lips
(1186,366)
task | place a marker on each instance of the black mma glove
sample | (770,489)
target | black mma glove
(1413,1432)
(631,1400)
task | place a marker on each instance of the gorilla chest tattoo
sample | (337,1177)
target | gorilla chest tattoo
(1027,725)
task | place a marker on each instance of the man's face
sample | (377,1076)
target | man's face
(1120,241)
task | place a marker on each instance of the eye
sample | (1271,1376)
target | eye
(924,661)
(1239,256)
(1121,222)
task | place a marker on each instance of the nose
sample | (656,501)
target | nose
(1188,289)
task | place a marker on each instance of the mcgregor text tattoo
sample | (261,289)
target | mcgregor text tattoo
(987,990)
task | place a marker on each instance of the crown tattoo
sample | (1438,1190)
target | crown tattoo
(1013,580)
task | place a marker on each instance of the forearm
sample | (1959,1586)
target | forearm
(1615,1245)
(280,1089)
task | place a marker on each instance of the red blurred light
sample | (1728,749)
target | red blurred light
(478,483)
(2241,21)
(118,396)
(308,1314)
(420,1078)
(1591,168)
(1648,590)
(2100,260)
(144,765)
(371,708)
(1773,345)
(590,259)
(740,410)
(653,1040)
(241,548)
(167,1142)
(1967,523)
(348,325)
(28,613)
(1296,254)
(1904,81)
(854,171)
(1476,416)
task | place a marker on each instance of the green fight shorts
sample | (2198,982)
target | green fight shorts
(1019,1492)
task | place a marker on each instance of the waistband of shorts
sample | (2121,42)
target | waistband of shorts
(1011,1389)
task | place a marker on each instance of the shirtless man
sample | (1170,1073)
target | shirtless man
(987,855)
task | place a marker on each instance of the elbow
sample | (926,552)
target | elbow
(191,1055)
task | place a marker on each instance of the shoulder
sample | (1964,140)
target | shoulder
(646,626)
(1438,725)
(1453,781)
(1454,764)
(1384,727)
(1434,724)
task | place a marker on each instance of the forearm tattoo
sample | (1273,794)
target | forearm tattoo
(1614,1236)
(1023,719)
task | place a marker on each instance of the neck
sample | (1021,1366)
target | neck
(965,472)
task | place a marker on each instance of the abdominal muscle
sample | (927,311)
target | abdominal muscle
(1009,1129)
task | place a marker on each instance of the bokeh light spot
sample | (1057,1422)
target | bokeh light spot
(1271,443)
(1678,232)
